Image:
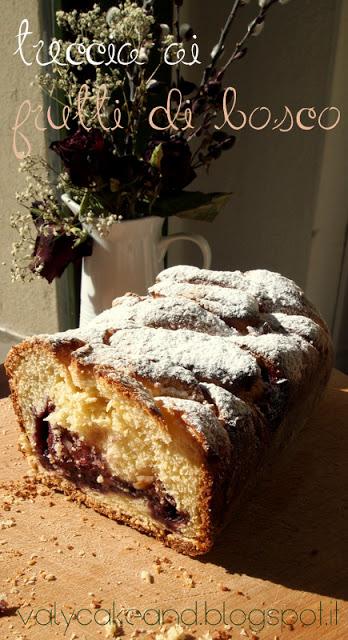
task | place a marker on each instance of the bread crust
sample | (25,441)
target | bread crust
(209,485)
(269,390)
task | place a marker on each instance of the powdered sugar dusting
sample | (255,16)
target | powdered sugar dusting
(226,303)
(193,275)
(207,357)
(271,291)
(230,408)
(169,313)
(199,344)
(298,325)
(199,418)
(290,355)
(274,292)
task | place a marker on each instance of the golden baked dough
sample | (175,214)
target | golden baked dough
(160,412)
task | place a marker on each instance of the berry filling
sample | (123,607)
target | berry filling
(61,450)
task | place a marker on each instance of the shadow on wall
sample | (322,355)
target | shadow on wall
(294,531)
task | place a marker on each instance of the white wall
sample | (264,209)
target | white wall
(24,308)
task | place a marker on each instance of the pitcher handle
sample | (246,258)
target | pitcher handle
(197,239)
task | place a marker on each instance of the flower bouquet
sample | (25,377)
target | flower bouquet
(137,130)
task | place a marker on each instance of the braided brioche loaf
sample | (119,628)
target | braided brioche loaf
(160,412)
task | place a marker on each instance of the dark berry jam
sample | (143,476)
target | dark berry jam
(63,451)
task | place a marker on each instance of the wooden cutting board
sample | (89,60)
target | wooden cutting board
(286,550)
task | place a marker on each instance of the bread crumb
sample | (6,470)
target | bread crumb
(146,576)
(175,632)
(4,607)
(113,630)
(7,524)
(96,604)
(187,578)
(290,621)
(49,577)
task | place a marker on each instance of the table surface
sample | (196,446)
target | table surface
(285,550)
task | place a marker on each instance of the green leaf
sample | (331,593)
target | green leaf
(156,157)
(35,212)
(193,205)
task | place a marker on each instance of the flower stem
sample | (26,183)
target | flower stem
(239,46)
(219,47)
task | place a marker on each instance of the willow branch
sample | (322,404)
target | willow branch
(218,50)
(259,19)
(177,29)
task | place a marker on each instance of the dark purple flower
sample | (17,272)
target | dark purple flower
(126,169)
(221,142)
(173,159)
(52,254)
(85,155)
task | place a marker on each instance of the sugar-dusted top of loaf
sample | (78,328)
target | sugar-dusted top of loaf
(236,343)
(270,291)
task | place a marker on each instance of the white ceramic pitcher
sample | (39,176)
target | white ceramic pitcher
(127,259)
